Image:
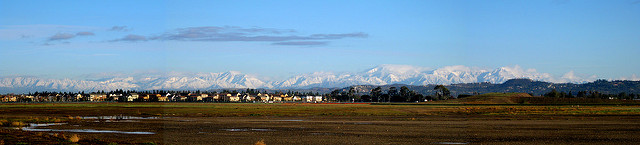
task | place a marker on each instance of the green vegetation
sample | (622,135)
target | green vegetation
(489,98)
(527,99)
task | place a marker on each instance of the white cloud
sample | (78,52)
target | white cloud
(232,33)
(61,36)
(573,77)
(15,32)
(85,34)
(131,38)
(119,28)
(633,77)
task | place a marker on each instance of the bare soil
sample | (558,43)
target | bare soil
(446,125)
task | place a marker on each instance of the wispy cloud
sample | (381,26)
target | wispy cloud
(25,36)
(302,43)
(119,28)
(61,36)
(573,77)
(230,33)
(85,34)
(65,36)
(131,38)
(339,36)
(104,54)
(16,32)
(633,77)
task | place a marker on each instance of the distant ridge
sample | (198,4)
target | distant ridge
(526,99)
(380,75)
(489,98)
(520,85)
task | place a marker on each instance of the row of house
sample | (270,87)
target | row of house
(239,97)
(168,97)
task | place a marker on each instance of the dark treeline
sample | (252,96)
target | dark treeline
(521,85)
(600,89)
(120,95)
(590,94)
(393,94)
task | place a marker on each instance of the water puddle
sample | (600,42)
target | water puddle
(319,133)
(118,117)
(263,130)
(290,120)
(33,127)
(451,143)
(246,129)
(117,121)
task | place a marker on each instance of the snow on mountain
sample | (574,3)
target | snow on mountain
(39,84)
(231,79)
(168,81)
(576,78)
(380,75)
(411,75)
(394,73)
(503,74)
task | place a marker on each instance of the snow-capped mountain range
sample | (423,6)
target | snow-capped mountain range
(380,75)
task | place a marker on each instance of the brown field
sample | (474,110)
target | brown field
(292,123)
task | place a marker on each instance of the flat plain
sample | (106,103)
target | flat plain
(300,123)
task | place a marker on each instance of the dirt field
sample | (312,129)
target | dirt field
(199,123)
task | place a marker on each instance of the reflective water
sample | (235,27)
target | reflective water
(290,120)
(33,127)
(451,143)
(118,117)
(246,129)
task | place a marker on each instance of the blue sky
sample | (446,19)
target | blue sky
(283,38)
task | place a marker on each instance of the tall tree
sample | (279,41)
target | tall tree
(392,92)
(353,94)
(375,93)
(553,94)
(444,92)
(404,91)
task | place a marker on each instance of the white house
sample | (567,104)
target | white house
(317,98)
(132,97)
(97,97)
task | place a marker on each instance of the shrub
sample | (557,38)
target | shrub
(74,138)
(17,123)
(261,142)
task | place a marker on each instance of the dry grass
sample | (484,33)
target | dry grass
(17,123)
(260,142)
(74,138)
(338,123)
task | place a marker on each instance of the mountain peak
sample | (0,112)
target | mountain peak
(396,68)
(233,72)
(379,75)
